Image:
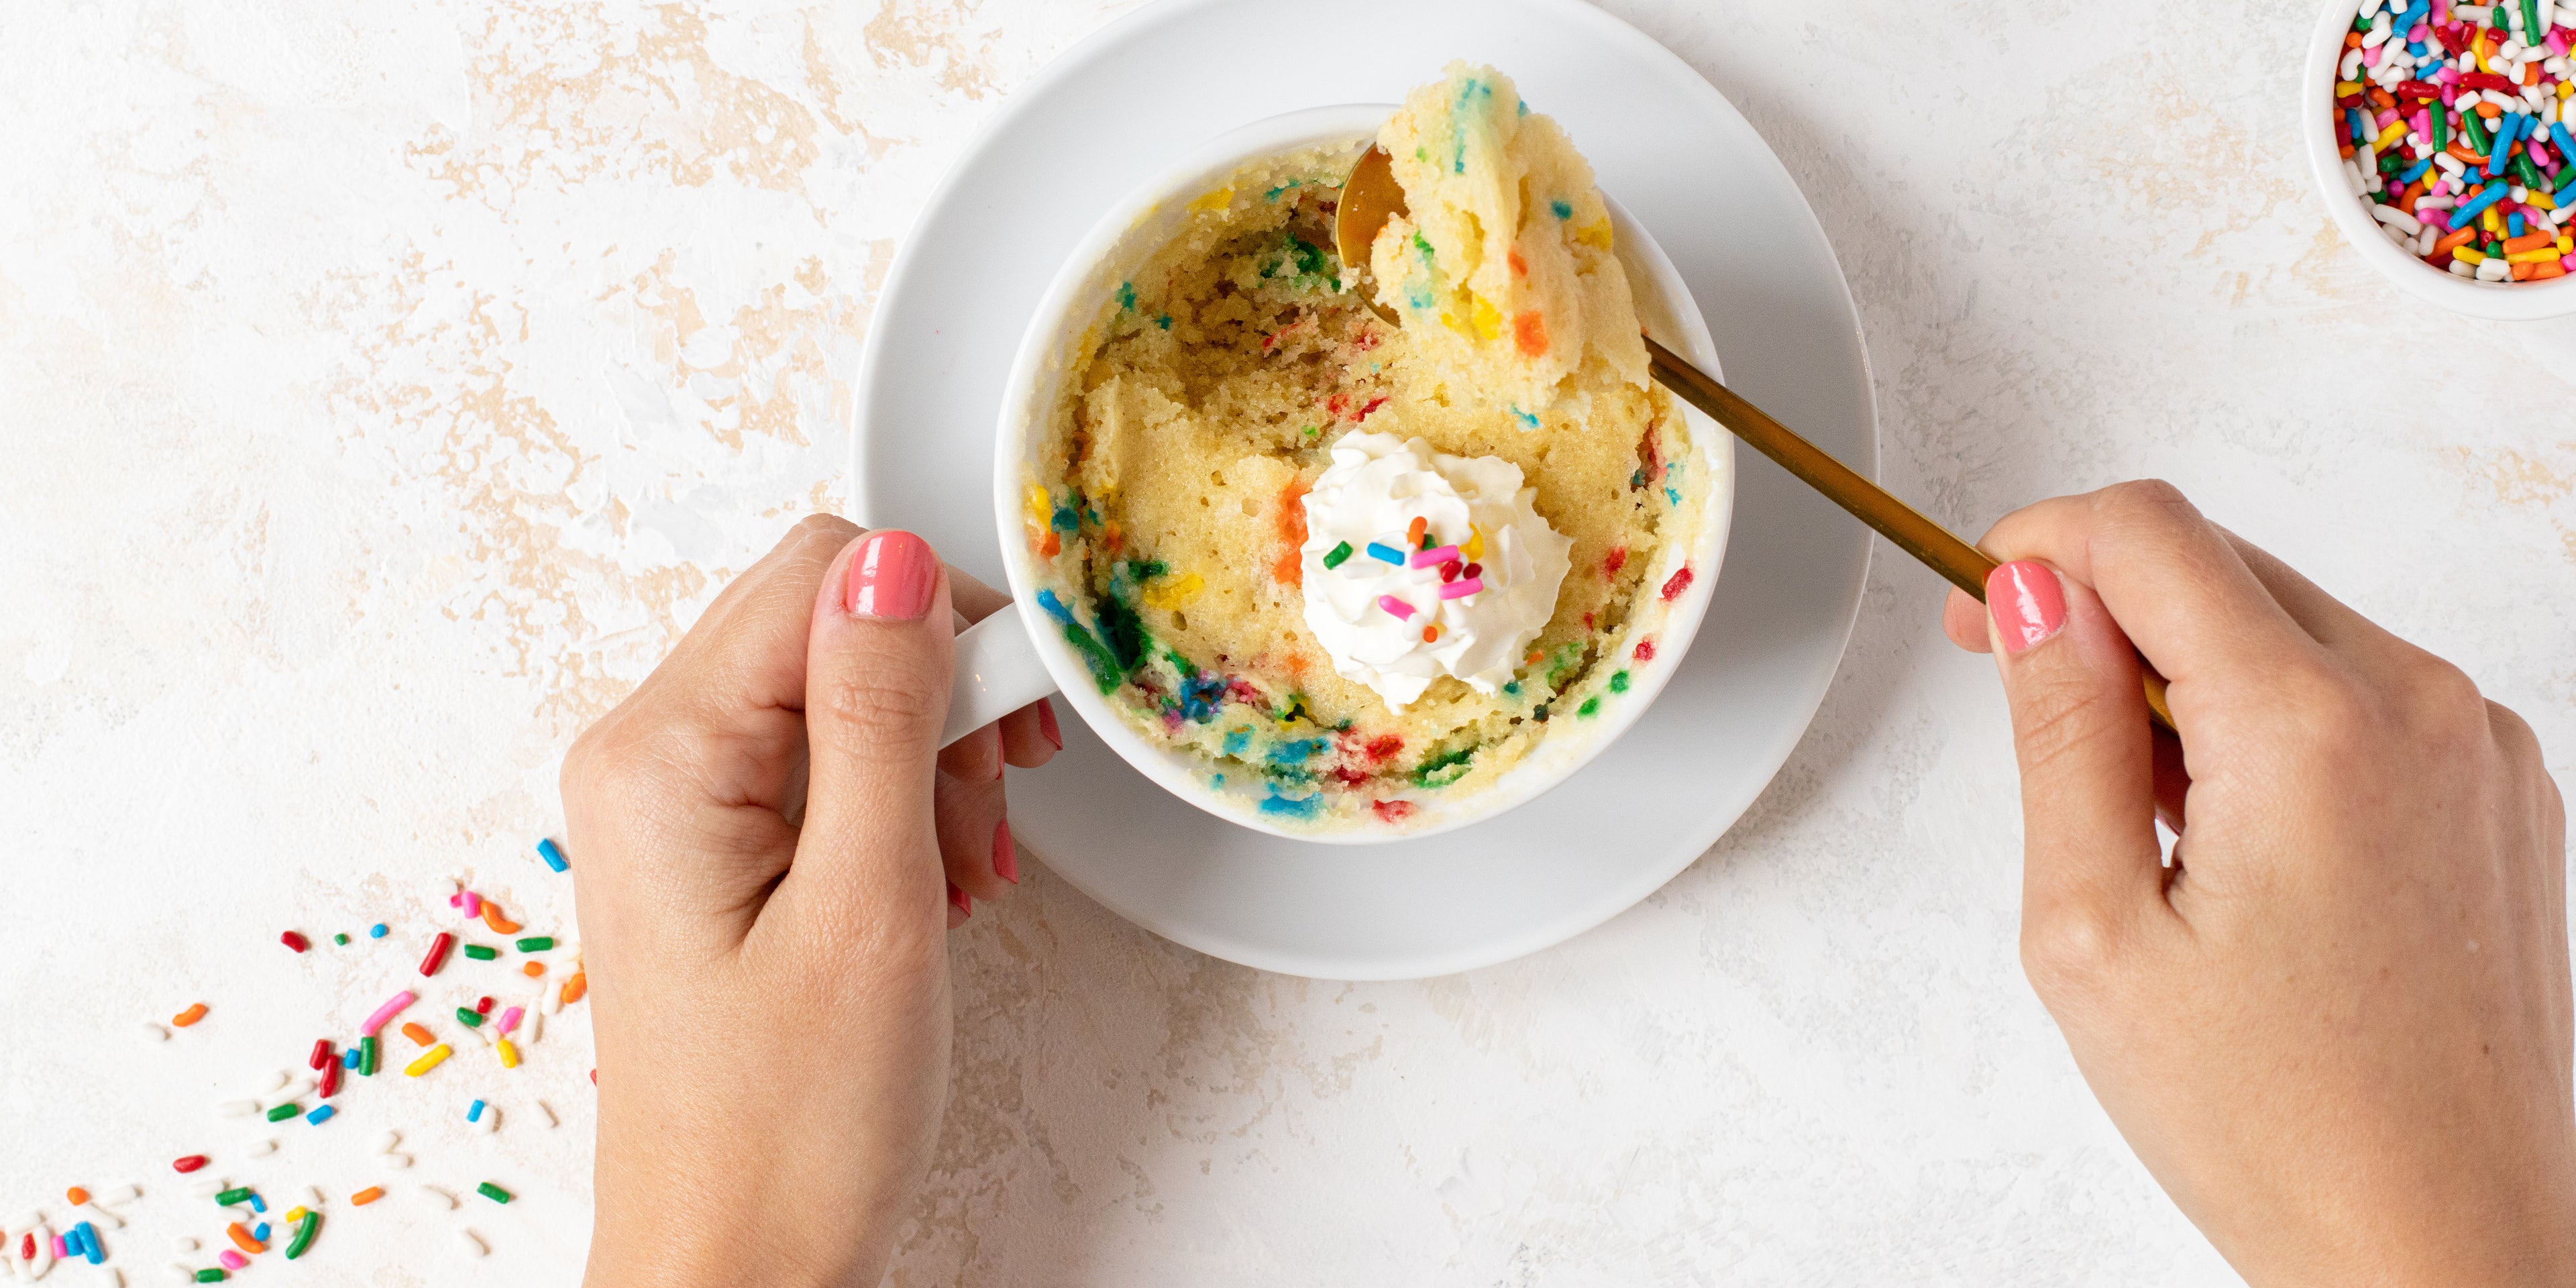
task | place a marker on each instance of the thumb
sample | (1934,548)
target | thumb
(876,693)
(2079,715)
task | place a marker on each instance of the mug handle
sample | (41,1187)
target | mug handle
(998,672)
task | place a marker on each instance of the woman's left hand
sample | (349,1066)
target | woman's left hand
(769,846)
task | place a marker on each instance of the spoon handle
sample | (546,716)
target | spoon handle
(1962,564)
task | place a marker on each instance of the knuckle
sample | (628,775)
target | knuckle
(826,525)
(880,712)
(2146,496)
(2053,718)
(2068,951)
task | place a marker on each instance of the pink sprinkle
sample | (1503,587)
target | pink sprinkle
(232,1260)
(2557,44)
(1462,589)
(1402,610)
(473,903)
(2370,57)
(2446,77)
(393,1006)
(62,1248)
(2567,262)
(2418,33)
(1432,558)
(510,1018)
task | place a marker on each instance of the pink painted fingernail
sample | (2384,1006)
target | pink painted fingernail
(1047,725)
(963,902)
(892,576)
(2027,602)
(1006,856)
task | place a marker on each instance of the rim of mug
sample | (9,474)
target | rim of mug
(1052,332)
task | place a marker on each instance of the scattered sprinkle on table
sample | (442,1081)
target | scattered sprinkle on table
(437,953)
(428,1060)
(367,1195)
(377,931)
(552,853)
(196,1011)
(480,953)
(295,941)
(493,1192)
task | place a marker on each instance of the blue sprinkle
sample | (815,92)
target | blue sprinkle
(1297,807)
(376,931)
(1296,751)
(1200,695)
(1164,321)
(89,1248)
(1386,554)
(1524,107)
(474,1113)
(258,1204)
(260,1232)
(1216,781)
(321,1114)
(1237,741)
(1066,522)
(1126,295)
(1513,688)
(2513,225)
(349,1058)
(2414,172)
(1673,495)
(1563,209)
(1527,419)
(1055,607)
(546,849)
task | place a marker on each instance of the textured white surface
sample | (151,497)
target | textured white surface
(382,387)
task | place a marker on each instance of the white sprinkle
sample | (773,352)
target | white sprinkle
(238,1108)
(397,1160)
(547,1112)
(531,1023)
(386,1143)
(440,1195)
(2397,219)
(209,1187)
(184,1244)
(155,1032)
(186,1276)
(490,1122)
(114,1222)
(554,999)
(473,1246)
(119,1194)
(313,1196)
(263,1147)
(277,1080)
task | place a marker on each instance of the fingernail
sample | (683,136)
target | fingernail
(1006,856)
(2027,603)
(892,576)
(1047,725)
(963,902)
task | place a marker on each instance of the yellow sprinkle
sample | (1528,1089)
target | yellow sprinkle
(1174,593)
(1040,508)
(2345,89)
(1594,235)
(2541,199)
(2396,130)
(428,1060)
(294,1214)
(1475,547)
(2467,255)
(2491,221)
(1213,199)
(2566,88)
(2544,255)
(509,1054)
(1489,320)
(1450,320)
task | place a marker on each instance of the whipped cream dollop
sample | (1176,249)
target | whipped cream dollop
(1393,616)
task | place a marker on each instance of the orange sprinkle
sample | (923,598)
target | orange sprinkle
(533,969)
(2530,73)
(1529,332)
(1413,530)
(196,1011)
(367,1195)
(2522,272)
(1520,267)
(2352,40)
(1430,634)
(2455,240)
(1047,549)
(576,986)
(2543,272)
(2461,150)
(76,1196)
(242,1240)
(2528,241)
(2490,111)
(1289,569)
(418,1034)
(2381,98)
(492,911)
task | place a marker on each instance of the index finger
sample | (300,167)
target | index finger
(2174,583)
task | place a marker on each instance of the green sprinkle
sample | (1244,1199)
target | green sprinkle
(304,1234)
(536,943)
(469,1017)
(284,1112)
(493,1192)
(2441,132)
(1619,682)
(239,1194)
(1338,554)
(1127,295)
(1164,321)
(342,940)
(1591,706)
(1564,209)
(367,1056)
(480,953)
(210,1275)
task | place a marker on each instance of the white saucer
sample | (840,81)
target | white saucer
(1116,109)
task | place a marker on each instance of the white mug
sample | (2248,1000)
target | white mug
(1011,659)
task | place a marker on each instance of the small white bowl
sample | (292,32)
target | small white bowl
(2500,301)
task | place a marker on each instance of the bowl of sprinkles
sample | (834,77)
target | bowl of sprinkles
(2444,139)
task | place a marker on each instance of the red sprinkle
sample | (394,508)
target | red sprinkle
(1612,562)
(1392,811)
(321,1053)
(1385,745)
(189,1164)
(437,953)
(330,1079)
(295,941)
(1644,652)
(483,1006)
(1679,582)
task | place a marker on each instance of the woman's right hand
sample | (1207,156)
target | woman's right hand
(2338,1029)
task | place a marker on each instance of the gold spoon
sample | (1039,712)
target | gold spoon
(1371,196)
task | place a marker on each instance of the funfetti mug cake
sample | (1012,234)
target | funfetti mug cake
(1350,573)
